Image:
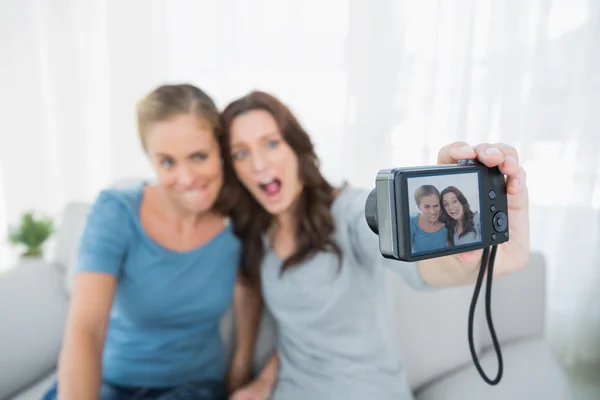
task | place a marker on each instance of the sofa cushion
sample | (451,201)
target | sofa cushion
(67,239)
(432,329)
(33,310)
(517,301)
(531,371)
(38,389)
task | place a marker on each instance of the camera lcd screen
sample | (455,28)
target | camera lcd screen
(444,211)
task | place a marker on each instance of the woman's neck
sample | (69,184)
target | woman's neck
(284,224)
(459,226)
(282,235)
(427,225)
(282,232)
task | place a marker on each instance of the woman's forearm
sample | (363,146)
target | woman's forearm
(268,375)
(80,366)
(448,271)
(462,269)
(247,311)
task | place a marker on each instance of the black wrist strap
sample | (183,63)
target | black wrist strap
(488,313)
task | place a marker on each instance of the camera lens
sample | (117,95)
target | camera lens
(371,211)
(500,222)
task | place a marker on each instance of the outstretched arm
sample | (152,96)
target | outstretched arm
(365,244)
(247,304)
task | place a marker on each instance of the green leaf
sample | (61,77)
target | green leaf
(31,233)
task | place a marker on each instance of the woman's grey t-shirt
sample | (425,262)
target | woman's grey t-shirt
(335,336)
(470,237)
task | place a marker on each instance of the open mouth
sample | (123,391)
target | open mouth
(271,186)
(454,213)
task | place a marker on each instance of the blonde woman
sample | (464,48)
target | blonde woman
(427,231)
(157,269)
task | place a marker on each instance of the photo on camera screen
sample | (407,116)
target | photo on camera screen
(444,212)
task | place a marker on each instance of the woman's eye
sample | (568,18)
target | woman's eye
(199,156)
(166,163)
(238,155)
(272,143)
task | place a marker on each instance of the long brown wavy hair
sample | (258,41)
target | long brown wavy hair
(315,224)
(467,221)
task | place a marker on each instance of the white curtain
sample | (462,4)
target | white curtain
(377,84)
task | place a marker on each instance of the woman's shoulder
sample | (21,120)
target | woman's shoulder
(477,219)
(349,200)
(348,209)
(108,230)
(118,202)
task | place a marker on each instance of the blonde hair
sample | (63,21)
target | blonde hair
(424,191)
(168,101)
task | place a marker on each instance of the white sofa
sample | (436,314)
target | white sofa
(432,331)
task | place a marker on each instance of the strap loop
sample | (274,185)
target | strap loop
(488,314)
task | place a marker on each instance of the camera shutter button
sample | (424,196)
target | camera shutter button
(467,162)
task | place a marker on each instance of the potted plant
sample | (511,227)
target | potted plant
(31,233)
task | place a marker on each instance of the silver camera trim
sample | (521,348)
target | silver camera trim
(386,213)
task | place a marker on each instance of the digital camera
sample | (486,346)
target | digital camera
(434,211)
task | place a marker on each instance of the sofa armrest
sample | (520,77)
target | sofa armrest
(518,304)
(33,309)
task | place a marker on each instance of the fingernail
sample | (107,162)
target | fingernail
(466,149)
(515,182)
(510,159)
(490,151)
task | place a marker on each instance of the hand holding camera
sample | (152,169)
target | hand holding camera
(514,253)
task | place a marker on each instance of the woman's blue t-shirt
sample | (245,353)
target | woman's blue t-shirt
(422,241)
(164,323)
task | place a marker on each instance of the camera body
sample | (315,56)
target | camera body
(434,211)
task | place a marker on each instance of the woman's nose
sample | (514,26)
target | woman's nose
(259,162)
(185,175)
